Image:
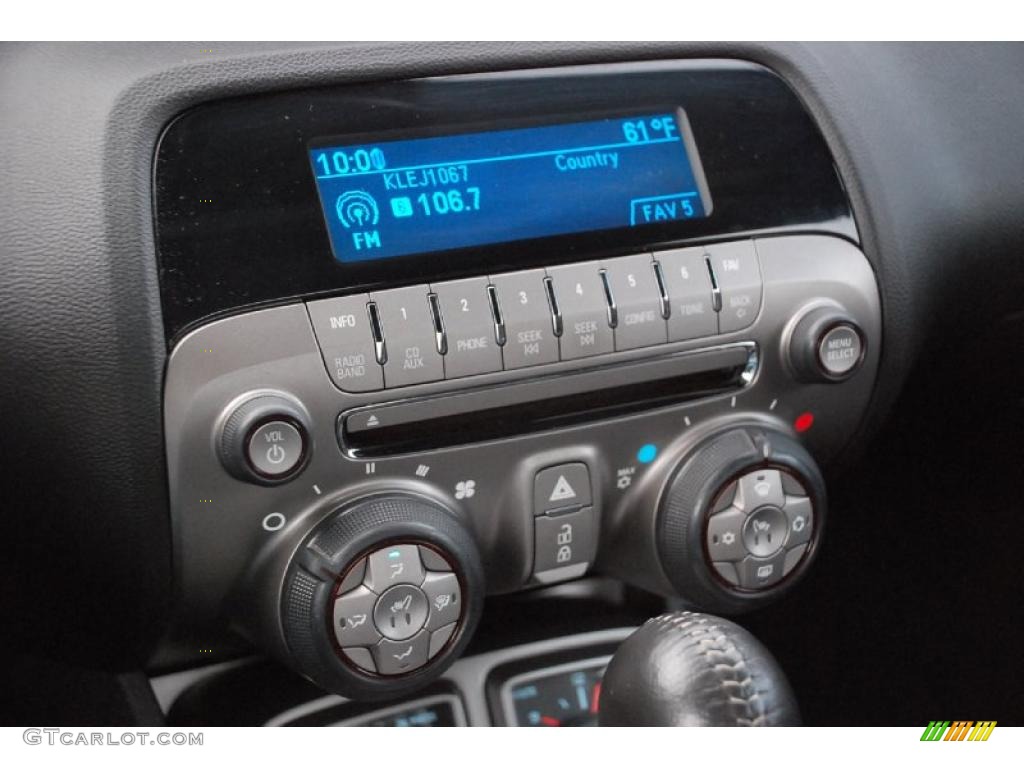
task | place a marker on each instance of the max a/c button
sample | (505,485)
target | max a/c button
(275,449)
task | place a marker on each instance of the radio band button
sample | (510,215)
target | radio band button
(342,328)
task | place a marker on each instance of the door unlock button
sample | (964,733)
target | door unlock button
(275,448)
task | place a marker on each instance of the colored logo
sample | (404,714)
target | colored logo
(959,730)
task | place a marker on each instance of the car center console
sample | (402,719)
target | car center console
(440,339)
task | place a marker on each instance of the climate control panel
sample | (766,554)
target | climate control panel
(350,476)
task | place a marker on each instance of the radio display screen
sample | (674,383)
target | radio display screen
(421,195)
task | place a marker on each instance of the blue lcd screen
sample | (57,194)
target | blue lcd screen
(395,198)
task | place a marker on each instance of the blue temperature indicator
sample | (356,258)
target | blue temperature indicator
(396,198)
(647,453)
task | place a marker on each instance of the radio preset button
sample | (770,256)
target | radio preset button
(739,279)
(688,283)
(409,336)
(583,305)
(529,338)
(637,300)
(342,328)
(468,327)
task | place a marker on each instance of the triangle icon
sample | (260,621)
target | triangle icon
(562,491)
(373,421)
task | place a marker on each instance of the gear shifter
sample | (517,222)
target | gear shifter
(695,669)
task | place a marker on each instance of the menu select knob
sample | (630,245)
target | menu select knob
(827,345)
(265,440)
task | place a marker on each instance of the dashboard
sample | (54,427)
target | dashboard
(407,381)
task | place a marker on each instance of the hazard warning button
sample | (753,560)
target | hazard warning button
(564,485)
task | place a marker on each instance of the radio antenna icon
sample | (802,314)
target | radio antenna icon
(358,209)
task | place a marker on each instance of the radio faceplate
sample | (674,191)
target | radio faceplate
(607,472)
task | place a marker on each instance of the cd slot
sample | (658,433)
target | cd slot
(550,402)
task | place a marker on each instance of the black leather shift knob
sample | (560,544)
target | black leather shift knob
(694,669)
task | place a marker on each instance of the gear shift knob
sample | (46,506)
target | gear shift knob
(695,669)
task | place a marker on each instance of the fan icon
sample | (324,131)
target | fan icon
(465,489)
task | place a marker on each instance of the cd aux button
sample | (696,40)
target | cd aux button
(468,328)
(634,288)
(583,305)
(342,328)
(409,336)
(526,314)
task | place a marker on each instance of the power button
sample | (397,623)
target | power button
(275,448)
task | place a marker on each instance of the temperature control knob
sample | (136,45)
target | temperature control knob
(740,519)
(381,596)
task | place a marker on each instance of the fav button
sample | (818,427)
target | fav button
(739,279)
(275,448)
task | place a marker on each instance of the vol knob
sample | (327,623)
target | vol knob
(266,439)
